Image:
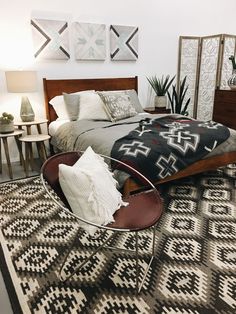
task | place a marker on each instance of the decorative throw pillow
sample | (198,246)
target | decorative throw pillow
(90,190)
(91,107)
(72,105)
(117,105)
(60,105)
(135,100)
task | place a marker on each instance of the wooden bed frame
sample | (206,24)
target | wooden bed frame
(53,88)
(56,87)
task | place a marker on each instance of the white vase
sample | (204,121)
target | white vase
(232,80)
(160,101)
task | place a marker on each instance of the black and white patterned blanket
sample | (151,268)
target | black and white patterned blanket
(161,147)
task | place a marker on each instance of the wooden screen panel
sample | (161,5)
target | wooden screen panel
(209,65)
(188,65)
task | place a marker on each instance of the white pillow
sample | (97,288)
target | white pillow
(92,107)
(60,106)
(90,190)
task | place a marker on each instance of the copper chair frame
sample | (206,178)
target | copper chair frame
(159,208)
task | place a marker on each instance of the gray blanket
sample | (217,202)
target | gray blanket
(78,135)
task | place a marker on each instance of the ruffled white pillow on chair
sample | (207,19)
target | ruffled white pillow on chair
(90,190)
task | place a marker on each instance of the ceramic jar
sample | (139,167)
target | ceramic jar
(160,101)
(6,127)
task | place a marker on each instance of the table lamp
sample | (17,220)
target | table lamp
(22,82)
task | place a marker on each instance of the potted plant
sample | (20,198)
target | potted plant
(6,123)
(160,87)
(177,99)
(232,79)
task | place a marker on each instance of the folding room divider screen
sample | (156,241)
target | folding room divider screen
(205,62)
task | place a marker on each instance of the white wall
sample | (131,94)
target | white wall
(160,25)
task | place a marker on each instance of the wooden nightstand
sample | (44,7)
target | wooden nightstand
(154,110)
(224,110)
(3,137)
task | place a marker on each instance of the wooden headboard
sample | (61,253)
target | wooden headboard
(56,87)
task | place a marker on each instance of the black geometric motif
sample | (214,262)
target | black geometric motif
(41,209)
(223,229)
(182,206)
(13,205)
(185,284)
(220,195)
(90,272)
(183,249)
(7,188)
(20,228)
(228,255)
(227,292)
(35,258)
(188,191)
(59,299)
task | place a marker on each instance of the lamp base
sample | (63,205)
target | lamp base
(26,110)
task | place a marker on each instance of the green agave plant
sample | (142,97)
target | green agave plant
(177,101)
(160,86)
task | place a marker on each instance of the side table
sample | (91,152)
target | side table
(154,110)
(4,137)
(39,140)
(30,138)
(28,125)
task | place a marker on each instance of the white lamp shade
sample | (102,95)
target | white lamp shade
(21,81)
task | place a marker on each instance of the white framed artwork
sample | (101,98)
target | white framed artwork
(50,39)
(89,41)
(123,42)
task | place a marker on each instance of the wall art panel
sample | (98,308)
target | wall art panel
(90,41)
(50,39)
(123,42)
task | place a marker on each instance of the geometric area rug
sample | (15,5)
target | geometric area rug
(193,272)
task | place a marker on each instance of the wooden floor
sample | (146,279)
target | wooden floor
(18,171)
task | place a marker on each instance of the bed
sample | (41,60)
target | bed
(225,154)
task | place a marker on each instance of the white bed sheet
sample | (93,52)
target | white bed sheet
(54,126)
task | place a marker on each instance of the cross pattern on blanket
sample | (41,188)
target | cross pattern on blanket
(161,147)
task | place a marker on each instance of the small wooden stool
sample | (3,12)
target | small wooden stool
(39,140)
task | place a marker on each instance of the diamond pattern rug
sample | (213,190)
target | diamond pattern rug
(194,270)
